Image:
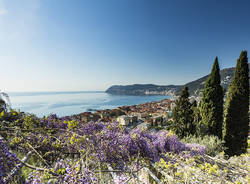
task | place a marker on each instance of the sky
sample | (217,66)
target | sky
(77,45)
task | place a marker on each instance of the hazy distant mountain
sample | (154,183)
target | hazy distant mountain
(195,87)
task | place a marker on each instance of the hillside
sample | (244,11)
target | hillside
(195,87)
(142,89)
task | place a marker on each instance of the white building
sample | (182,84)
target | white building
(123,120)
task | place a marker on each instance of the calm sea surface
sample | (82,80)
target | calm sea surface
(68,103)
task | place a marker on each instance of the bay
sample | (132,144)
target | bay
(68,103)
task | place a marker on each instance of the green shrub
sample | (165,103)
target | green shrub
(248,143)
(201,129)
(213,143)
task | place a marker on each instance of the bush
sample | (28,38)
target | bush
(201,129)
(213,143)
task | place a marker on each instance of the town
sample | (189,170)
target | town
(151,114)
(156,113)
(148,115)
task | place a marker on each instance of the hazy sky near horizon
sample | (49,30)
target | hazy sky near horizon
(68,45)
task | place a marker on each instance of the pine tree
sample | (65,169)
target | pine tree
(236,109)
(183,115)
(212,102)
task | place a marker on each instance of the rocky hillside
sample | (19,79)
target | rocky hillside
(195,87)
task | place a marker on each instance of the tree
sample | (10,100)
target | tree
(4,102)
(196,112)
(183,115)
(200,129)
(212,102)
(236,109)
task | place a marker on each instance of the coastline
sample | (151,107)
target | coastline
(70,103)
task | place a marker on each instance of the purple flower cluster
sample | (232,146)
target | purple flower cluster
(103,143)
(8,161)
(53,121)
(68,172)
(195,149)
(113,144)
(109,143)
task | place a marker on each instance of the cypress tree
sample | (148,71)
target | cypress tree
(196,112)
(236,109)
(183,115)
(212,102)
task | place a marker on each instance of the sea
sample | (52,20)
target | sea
(69,103)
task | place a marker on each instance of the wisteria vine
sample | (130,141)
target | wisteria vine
(72,152)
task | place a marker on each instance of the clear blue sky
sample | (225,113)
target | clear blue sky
(67,45)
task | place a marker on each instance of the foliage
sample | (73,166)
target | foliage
(236,118)
(8,161)
(67,151)
(201,129)
(4,101)
(203,170)
(196,112)
(212,143)
(183,115)
(211,108)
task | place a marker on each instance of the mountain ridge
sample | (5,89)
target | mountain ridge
(195,87)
